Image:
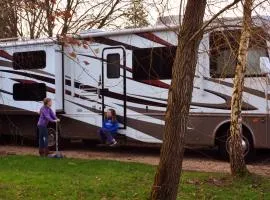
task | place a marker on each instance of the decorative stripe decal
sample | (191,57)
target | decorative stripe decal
(86,107)
(30,75)
(156,83)
(5,92)
(246,89)
(227,104)
(154,38)
(111,42)
(154,130)
(6,109)
(100,59)
(133,99)
(4,63)
(5,55)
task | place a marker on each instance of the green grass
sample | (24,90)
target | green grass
(28,177)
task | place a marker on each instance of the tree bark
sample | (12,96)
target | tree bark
(8,19)
(49,17)
(180,93)
(237,161)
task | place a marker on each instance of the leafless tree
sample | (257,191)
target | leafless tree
(180,93)
(8,19)
(250,41)
(43,18)
(31,18)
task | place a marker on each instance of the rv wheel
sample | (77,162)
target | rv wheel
(247,145)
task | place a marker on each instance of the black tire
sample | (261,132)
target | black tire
(247,141)
(1,139)
(222,150)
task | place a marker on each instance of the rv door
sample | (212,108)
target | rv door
(113,82)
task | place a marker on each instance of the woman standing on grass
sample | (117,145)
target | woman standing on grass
(109,128)
(46,116)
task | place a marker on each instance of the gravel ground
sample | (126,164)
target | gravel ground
(196,160)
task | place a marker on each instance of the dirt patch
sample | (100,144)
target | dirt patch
(190,162)
(218,182)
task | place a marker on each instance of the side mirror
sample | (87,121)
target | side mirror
(265,65)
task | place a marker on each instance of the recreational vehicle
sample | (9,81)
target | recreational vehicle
(130,71)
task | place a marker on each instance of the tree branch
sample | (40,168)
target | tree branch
(214,17)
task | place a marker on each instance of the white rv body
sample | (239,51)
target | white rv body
(77,79)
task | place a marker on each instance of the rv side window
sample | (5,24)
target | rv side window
(223,53)
(29,91)
(113,65)
(153,63)
(29,60)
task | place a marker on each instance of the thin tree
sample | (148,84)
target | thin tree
(8,19)
(237,161)
(136,15)
(41,18)
(180,93)
(50,18)
(168,174)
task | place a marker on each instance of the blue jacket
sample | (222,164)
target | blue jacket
(109,125)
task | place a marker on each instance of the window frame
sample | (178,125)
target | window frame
(220,75)
(41,86)
(43,57)
(146,68)
(112,64)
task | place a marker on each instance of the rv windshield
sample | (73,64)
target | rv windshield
(223,53)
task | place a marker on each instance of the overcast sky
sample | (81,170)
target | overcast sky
(171,7)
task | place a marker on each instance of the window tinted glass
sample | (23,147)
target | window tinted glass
(153,63)
(253,60)
(224,47)
(113,65)
(29,91)
(29,60)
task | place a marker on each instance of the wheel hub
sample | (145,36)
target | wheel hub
(244,143)
(51,137)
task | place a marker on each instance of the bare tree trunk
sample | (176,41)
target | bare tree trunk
(8,19)
(238,166)
(66,17)
(49,17)
(180,93)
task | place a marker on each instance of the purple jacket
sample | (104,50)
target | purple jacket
(46,116)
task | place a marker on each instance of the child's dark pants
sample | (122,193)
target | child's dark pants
(105,135)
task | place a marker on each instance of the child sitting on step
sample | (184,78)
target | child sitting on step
(109,128)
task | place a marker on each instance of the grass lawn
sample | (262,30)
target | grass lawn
(29,177)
